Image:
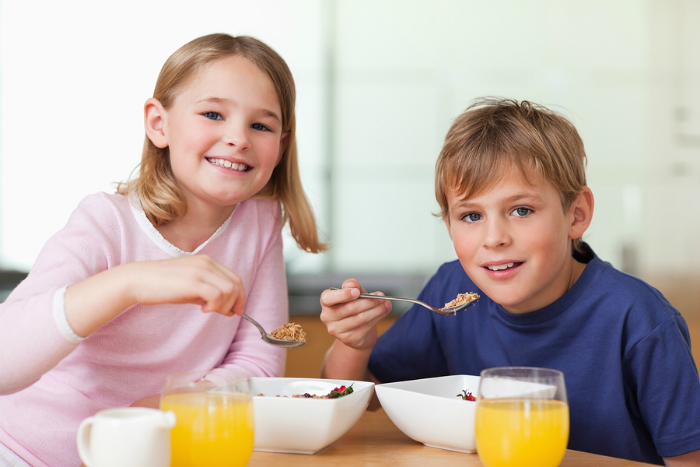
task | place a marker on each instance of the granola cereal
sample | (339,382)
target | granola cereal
(289,332)
(462,298)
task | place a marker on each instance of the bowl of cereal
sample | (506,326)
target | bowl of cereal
(438,412)
(305,415)
(441,412)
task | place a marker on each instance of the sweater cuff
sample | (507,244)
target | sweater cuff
(59,316)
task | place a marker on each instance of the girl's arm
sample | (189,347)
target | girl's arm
(267,303)
(198,279)
(86,258)
(31,342)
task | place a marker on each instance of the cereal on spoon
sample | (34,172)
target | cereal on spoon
(461,299)
(289,332)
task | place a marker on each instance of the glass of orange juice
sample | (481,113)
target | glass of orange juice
(522,417)
(214,424)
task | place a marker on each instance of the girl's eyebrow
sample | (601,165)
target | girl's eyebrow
(222,100)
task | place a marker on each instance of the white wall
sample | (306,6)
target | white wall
(74,76)
(406,72)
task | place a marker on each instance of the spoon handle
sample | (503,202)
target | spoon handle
(255,323)
(387,297)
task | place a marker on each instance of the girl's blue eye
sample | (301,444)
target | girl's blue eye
(259,126)
(471,217)
(213,115)
(521,212)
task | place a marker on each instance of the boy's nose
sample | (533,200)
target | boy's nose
(496,234)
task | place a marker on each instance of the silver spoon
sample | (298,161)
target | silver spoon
(443,311)
(271,340)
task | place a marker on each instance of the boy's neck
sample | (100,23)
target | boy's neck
(573,272)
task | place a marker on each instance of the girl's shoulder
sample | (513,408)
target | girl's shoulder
(101,205)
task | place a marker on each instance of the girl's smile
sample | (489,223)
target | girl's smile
(227,164)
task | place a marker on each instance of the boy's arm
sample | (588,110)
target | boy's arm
(343,362)
(692,459)
(353,323)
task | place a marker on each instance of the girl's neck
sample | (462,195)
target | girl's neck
(196,227)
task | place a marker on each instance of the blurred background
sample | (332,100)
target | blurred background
(379,83)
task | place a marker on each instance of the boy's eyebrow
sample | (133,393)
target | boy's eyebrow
(223,100)
(520,197)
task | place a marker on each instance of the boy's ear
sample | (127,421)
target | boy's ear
(284,142)
(582,210)
(153,115)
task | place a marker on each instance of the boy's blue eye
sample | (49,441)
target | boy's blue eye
(471,217)
(213,115)
(259,126)
(521,212)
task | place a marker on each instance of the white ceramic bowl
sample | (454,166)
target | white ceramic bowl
(299,425)
(429,411)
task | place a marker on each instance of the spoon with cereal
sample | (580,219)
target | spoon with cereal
(287,335)
(463,300)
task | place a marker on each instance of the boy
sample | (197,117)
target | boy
(511,184)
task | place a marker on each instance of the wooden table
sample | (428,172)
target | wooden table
(375,441)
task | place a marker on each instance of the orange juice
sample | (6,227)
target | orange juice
(521,432)
(213,429)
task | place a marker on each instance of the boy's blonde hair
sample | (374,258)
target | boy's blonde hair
(494,135)
(162,200)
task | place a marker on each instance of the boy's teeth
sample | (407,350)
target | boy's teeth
(500,267)
(229,164)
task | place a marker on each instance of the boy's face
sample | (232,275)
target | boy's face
(514,241)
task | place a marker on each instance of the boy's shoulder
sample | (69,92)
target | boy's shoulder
(610,284)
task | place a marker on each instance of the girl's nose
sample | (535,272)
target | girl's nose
(496,234)
(236,135)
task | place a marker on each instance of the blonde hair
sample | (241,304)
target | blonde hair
(156,186)
(493,135)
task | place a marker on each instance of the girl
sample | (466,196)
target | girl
(114,301)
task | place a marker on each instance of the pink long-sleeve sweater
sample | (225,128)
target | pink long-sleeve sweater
(51,384)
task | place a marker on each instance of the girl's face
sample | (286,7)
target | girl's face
(224,133)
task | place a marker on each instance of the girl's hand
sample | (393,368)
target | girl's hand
(197,279)
(194,279)
(353,322)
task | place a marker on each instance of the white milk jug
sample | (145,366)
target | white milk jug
(131,436)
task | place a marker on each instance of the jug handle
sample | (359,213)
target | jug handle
(83,439)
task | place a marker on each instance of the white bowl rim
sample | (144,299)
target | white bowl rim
(396,386)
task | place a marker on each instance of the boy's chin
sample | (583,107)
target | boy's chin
(510,302)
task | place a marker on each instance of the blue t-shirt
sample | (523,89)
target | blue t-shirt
(631,380)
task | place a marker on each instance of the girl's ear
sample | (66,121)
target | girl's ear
(582,210)
(154,122)
(284,142)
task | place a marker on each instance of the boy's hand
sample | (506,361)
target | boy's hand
(351,321)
